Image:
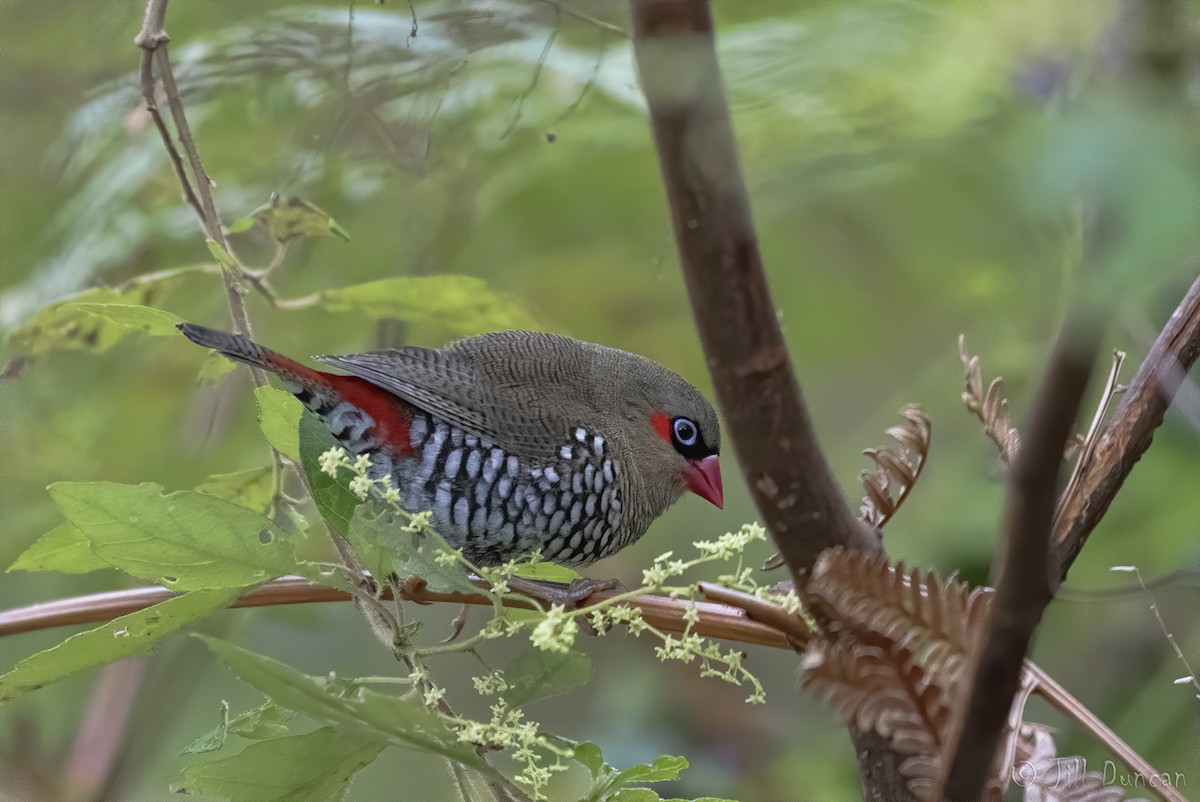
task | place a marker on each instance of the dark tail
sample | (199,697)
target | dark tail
(243,349)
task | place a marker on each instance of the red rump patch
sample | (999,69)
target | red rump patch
(391,415)
(662,425)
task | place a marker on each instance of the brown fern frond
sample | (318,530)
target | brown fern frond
(875,683)
(899,468)
(991,407)
(1049,778)
(864,593)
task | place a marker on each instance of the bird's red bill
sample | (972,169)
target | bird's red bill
(704,479)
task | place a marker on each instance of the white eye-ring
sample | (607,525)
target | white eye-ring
(685,432)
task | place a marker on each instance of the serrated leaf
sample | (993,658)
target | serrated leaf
(279,418)
(459,304)
(184,540)
(664,768)
(332,495)
(64,548)
(402,722)
(313,767)
(537,674)
(130,634)
(251,489)
(288,218)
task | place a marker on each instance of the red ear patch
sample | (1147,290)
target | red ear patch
(661,425)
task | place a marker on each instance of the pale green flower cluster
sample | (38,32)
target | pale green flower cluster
(555,630)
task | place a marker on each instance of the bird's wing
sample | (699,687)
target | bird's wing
(453,389)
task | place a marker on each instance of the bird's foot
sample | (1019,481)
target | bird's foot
(570,596)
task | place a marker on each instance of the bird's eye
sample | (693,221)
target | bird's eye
(685,431)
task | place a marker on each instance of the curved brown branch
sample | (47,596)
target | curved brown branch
(1129,433)
(793,487)
(1023,589)
(716,620)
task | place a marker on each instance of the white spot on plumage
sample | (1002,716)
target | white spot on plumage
(598,446)
(581,435)
(556,521)
(551,475)
(589,507)
(474,463)
(453,460)
(548,504)
(492,467)
(462,512)
(565,452)
(504,486)
(608,471)
(512,466)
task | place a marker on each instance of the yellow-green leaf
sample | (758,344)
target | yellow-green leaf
(279,419)
(461,305)
(64,548)
(288,218)
(128,635)
(183,540)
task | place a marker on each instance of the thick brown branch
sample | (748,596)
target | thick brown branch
(1130,432)
(768,422)
(716,620)
(1023,589)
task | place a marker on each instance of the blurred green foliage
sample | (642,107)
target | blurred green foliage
(914,167)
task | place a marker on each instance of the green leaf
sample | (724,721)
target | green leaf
(64,548)
(288,218)
(332,495)
(212,740)
(268,720)
(130,634)
(240,225)
(634,795)
(157,322)
(214,366)
(459,304)
(184,540)
(224,258)
(379,536)
(402,722)
(251,489)
(279,418)
(666,767)
(590,756)
(98,318)
(537,674)
(313,767)
(547,572)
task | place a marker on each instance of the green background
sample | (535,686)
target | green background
(912,167)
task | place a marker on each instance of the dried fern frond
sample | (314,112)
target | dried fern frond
(864,593)
(1049,778)
(875,683)
(991,407)
(898,468)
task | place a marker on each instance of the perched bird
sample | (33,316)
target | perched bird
(517,441)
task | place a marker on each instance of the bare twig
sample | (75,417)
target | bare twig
(1023,589)
(782,462)
(152,39)
(1130,432)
